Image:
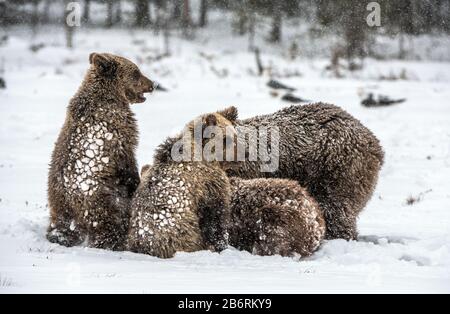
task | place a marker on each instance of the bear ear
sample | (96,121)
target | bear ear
(145,168)
(230,113)
(91,57)
(104,65)
(210,120)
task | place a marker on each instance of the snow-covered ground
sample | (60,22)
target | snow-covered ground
(402,248)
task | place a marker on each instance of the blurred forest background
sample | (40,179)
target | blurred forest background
(340,26)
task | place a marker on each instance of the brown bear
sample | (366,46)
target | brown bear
(268,216)
(274,216)
(325,149)
(93,170)
(179,206)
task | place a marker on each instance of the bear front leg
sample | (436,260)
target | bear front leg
(129,175)
(107,235)
(214,221)
(272,234)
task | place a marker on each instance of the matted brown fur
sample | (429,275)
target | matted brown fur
(274,216)
(327,151)
(93,171)
(179,206)
(184,206)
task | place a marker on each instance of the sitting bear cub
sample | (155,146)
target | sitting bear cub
(93,171)
(179,206)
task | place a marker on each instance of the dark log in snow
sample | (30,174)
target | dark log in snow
(259,64)
(278,85)
(293,99)
(382,101)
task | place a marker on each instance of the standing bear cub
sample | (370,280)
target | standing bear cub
(93,171)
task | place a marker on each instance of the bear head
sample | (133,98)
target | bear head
(124,75)
(218,132)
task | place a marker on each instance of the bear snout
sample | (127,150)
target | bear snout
(148,85)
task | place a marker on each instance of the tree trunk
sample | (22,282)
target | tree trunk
(35,16)
(242,21)
(109,13)
(118,17)
(355,32)
(68,28)
(166,34)
(46,16)
(259,64)
(186,21)
(86,11)
(251,31)
(324,12)
(401,46)
(186,13)
(177,4)
(142,13)
(164,23)
(275,34)
(203,21)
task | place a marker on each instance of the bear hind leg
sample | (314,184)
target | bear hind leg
(108,225)
(64,230)
(339,223)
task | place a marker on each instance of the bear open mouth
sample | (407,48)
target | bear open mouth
(141,98)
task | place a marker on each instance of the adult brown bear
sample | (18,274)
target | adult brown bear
(325,149)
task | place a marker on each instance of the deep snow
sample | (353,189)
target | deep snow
(402,248)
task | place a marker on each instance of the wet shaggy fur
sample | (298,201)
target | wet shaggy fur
(185,206)
(274,216)
(179,206)
(327,151)
(93,171)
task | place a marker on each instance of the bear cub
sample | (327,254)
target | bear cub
(274,217)
(93,170)
(186,206)
(179,206)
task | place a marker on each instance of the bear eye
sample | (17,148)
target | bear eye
(136,75)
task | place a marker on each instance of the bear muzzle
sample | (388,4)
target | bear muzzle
(148,86)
